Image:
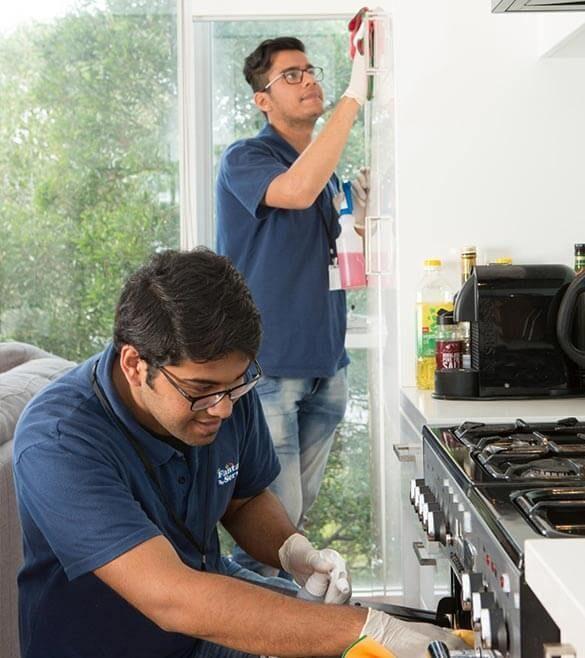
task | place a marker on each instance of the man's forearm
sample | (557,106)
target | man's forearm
(310,172)
(260,527)
(252,619)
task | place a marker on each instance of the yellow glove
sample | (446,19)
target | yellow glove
(398,639)
(365,647)
(467,636)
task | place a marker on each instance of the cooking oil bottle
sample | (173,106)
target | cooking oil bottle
(432,295)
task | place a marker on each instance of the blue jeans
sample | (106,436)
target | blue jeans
(302,415)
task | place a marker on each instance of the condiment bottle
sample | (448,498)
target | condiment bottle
(449,343)
(433,294)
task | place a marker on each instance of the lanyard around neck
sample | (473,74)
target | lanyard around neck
(148,467)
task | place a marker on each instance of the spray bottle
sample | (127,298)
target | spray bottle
(350,253)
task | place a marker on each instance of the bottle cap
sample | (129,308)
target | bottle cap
(432,262)
(469,251)
(445,317)
(580,249)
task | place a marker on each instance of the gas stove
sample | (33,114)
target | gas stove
(486,489)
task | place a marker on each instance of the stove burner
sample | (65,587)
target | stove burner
(502,467)
(546,469)
(554,512)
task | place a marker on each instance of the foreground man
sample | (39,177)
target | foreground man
(123,469)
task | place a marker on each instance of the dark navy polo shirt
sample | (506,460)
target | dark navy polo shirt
(85,498)
(284,257)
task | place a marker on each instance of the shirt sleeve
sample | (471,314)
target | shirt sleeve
(80,504)
(259,464)
(248,168)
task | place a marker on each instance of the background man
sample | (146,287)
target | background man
(123,468)
(277,222)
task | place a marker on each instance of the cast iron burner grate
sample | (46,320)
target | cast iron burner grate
(558,512)
(538,469)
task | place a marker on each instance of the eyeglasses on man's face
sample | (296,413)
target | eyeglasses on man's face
(201,402)
(295,76)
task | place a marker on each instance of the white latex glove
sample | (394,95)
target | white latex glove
(300,559)
(358,82)
(406,639)
(360,189)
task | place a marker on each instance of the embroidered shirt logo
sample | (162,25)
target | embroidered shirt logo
(227,473)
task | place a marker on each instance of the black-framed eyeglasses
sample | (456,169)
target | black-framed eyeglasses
(295,76)
(201,402)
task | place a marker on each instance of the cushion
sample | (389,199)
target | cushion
(13,354)
(18,385)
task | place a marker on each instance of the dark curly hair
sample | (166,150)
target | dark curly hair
(187,305)
(258,63)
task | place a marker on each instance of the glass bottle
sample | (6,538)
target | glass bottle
(468,262)
(449,343)
(579,257)
(433,294)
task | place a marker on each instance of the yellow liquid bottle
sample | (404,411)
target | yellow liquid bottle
(433,294)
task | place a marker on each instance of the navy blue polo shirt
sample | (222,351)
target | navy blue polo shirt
(284,257)
(85,498)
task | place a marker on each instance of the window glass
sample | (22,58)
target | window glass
(341,517)
(88,162)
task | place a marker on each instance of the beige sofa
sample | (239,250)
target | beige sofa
(24,370)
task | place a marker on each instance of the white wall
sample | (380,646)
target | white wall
(490,143)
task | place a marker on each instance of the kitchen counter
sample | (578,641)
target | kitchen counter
(422,409)
(554,571)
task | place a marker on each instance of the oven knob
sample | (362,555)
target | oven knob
(427,509)
(419,488)
(437,526)
(413,485)
(419,498)
(470,582)
(493,631)
(425,498)
(479,601)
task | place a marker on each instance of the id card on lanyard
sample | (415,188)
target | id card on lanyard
(334,273)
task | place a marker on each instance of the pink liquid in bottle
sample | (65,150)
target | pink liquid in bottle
(352,268)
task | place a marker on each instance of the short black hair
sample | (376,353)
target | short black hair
(187,305)
(258,62)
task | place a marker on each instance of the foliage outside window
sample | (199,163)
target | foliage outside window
(87,164)
(341,517)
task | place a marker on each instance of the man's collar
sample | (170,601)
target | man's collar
(284,148)
(158,452)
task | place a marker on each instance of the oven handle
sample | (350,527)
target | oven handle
(423,561)
(404,452)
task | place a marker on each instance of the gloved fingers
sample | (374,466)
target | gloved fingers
(339,589)
(366,174)
(318,562)
(360,192)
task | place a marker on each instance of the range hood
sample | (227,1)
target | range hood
(503,6)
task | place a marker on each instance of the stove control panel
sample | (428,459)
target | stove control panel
(490,581)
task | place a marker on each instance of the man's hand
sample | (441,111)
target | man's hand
(406,639)
(358,83)
(299,558)
(360,189)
